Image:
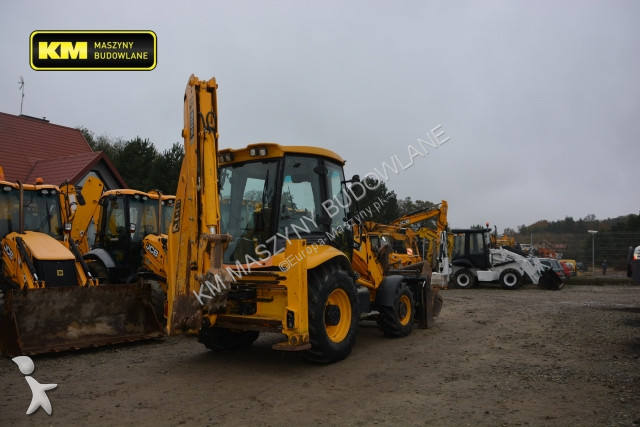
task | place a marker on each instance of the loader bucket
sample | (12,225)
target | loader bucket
(550,280)
(36,321)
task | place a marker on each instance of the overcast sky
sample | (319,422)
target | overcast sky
(540,100)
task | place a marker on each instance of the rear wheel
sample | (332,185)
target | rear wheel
(510,279)
(397,320)
(333,314)
(464,279)
(226,340)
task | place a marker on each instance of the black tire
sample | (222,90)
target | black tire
(510,279)
(549,280)
(464,279)
(333,314)
(397,320)
(226,340)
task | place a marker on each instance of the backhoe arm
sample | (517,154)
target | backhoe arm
(440,211)
(196,280)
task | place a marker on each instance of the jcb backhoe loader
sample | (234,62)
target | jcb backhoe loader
(131,231)
(131,241)
(276,254)
(51,301)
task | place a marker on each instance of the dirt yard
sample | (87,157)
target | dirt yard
(494,357)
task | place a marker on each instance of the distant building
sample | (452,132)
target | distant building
(32,148)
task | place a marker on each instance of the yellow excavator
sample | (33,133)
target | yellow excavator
(50,301)
(281,253)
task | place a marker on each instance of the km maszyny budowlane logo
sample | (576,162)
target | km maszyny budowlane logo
(93,50)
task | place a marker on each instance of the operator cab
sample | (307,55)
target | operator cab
(471,248)
(270,193)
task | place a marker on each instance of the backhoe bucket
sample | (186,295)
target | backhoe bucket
(46,320)
(550,280)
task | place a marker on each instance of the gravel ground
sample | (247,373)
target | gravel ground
(494,357)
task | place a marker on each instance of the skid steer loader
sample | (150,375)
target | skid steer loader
(50,301)
(261,241)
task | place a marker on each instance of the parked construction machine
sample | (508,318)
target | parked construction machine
(131,239)
(430,235)
(403,243)
(50,300)
(474,261)
(277,255)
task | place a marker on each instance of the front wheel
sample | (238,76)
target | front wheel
(333,315)
(510,279)
(397,320)
(464,279)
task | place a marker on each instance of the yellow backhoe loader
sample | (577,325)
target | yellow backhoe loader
(131,226)
(50,301)
(131,240)
(278,254)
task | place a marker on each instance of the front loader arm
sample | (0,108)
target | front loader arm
(195,278)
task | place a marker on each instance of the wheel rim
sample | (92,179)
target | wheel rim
(337,315)
(510,279)
(463,280)
(404,309)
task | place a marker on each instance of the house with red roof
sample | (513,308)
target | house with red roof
(32,148)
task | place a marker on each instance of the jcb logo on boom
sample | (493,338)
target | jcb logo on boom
(62,50)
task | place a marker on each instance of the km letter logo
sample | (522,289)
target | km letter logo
(93,50)
(62,50)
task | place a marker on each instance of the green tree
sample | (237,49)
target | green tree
(102,143)
(377,198)
(408,206)
(134,163)
(165,169)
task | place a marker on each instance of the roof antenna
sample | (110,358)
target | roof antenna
(21,83)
